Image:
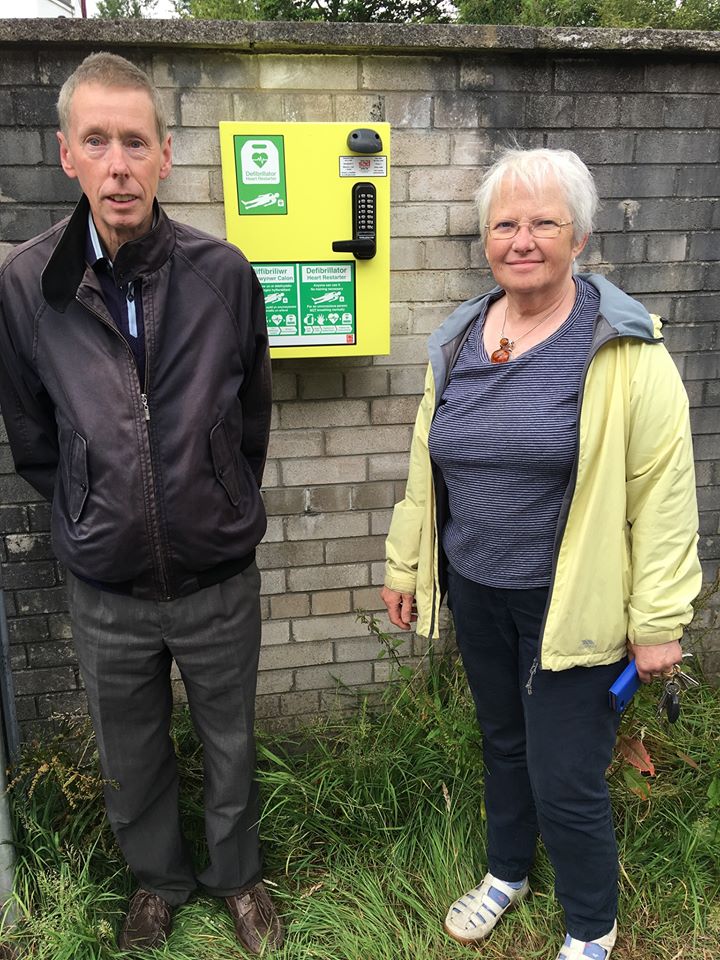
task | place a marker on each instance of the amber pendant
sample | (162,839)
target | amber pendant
(502,354)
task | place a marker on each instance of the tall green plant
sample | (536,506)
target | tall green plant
(357,11)
(218,9)
(372,824)
(657,14)
(124,9)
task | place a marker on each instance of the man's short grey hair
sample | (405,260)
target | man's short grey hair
(534,169)
(110,70)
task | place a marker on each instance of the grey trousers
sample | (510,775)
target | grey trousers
(125,648)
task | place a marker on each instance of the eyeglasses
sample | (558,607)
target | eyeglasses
(539,227)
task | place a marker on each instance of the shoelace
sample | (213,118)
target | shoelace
(154,904)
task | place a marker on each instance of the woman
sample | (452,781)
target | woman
(551,492)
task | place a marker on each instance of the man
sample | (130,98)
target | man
(135,387)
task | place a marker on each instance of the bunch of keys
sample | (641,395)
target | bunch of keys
(676,683)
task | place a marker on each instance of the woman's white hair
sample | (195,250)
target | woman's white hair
(534,169)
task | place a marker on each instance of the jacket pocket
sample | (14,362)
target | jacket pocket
(224,461)
(78,485)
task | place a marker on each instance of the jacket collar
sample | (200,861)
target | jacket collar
(619,314)
(627,316)
(64,271)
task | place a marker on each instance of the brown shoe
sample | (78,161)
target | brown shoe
(148,922)
(257,925)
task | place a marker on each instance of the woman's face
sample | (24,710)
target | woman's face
(527,266)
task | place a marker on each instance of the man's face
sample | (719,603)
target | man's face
(112,148)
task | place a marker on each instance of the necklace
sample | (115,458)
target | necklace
(502,354)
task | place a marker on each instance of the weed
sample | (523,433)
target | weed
(372,824)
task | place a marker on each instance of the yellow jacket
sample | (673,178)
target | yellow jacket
(625,563)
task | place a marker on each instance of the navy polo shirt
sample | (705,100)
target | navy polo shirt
(124,302)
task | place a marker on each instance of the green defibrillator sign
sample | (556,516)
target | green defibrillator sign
(260,170)
(309,302)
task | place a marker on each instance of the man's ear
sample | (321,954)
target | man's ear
(166,166)
(66,160)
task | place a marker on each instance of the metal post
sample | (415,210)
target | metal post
(7,687)
(7,850)
(10,735)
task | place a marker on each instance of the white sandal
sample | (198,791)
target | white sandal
(474,915)
(599,949)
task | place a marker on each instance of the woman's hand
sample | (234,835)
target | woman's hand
(656,660)
(400,607)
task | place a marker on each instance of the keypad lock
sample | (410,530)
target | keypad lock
(363,244)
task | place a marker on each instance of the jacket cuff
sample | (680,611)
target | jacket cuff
(397,583)
(653,639)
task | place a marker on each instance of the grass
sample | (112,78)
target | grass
(372,825)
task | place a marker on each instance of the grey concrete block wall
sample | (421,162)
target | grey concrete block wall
(642,112)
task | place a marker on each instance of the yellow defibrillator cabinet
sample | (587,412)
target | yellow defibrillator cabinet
(309,206)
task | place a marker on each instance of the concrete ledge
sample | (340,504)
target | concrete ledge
(378,38)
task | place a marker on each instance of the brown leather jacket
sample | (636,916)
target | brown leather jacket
(154,486)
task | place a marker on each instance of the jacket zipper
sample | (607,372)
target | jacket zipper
(434,607)
(448,370)
(567,499)
(144,402)
(132,324)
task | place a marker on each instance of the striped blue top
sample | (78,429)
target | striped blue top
(504,437)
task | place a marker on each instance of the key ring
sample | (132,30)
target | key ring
(675,682)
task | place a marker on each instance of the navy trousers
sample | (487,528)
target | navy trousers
(546,747)
(125,648)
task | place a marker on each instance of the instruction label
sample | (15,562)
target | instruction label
(363,166)
(260,175)
(309,303)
